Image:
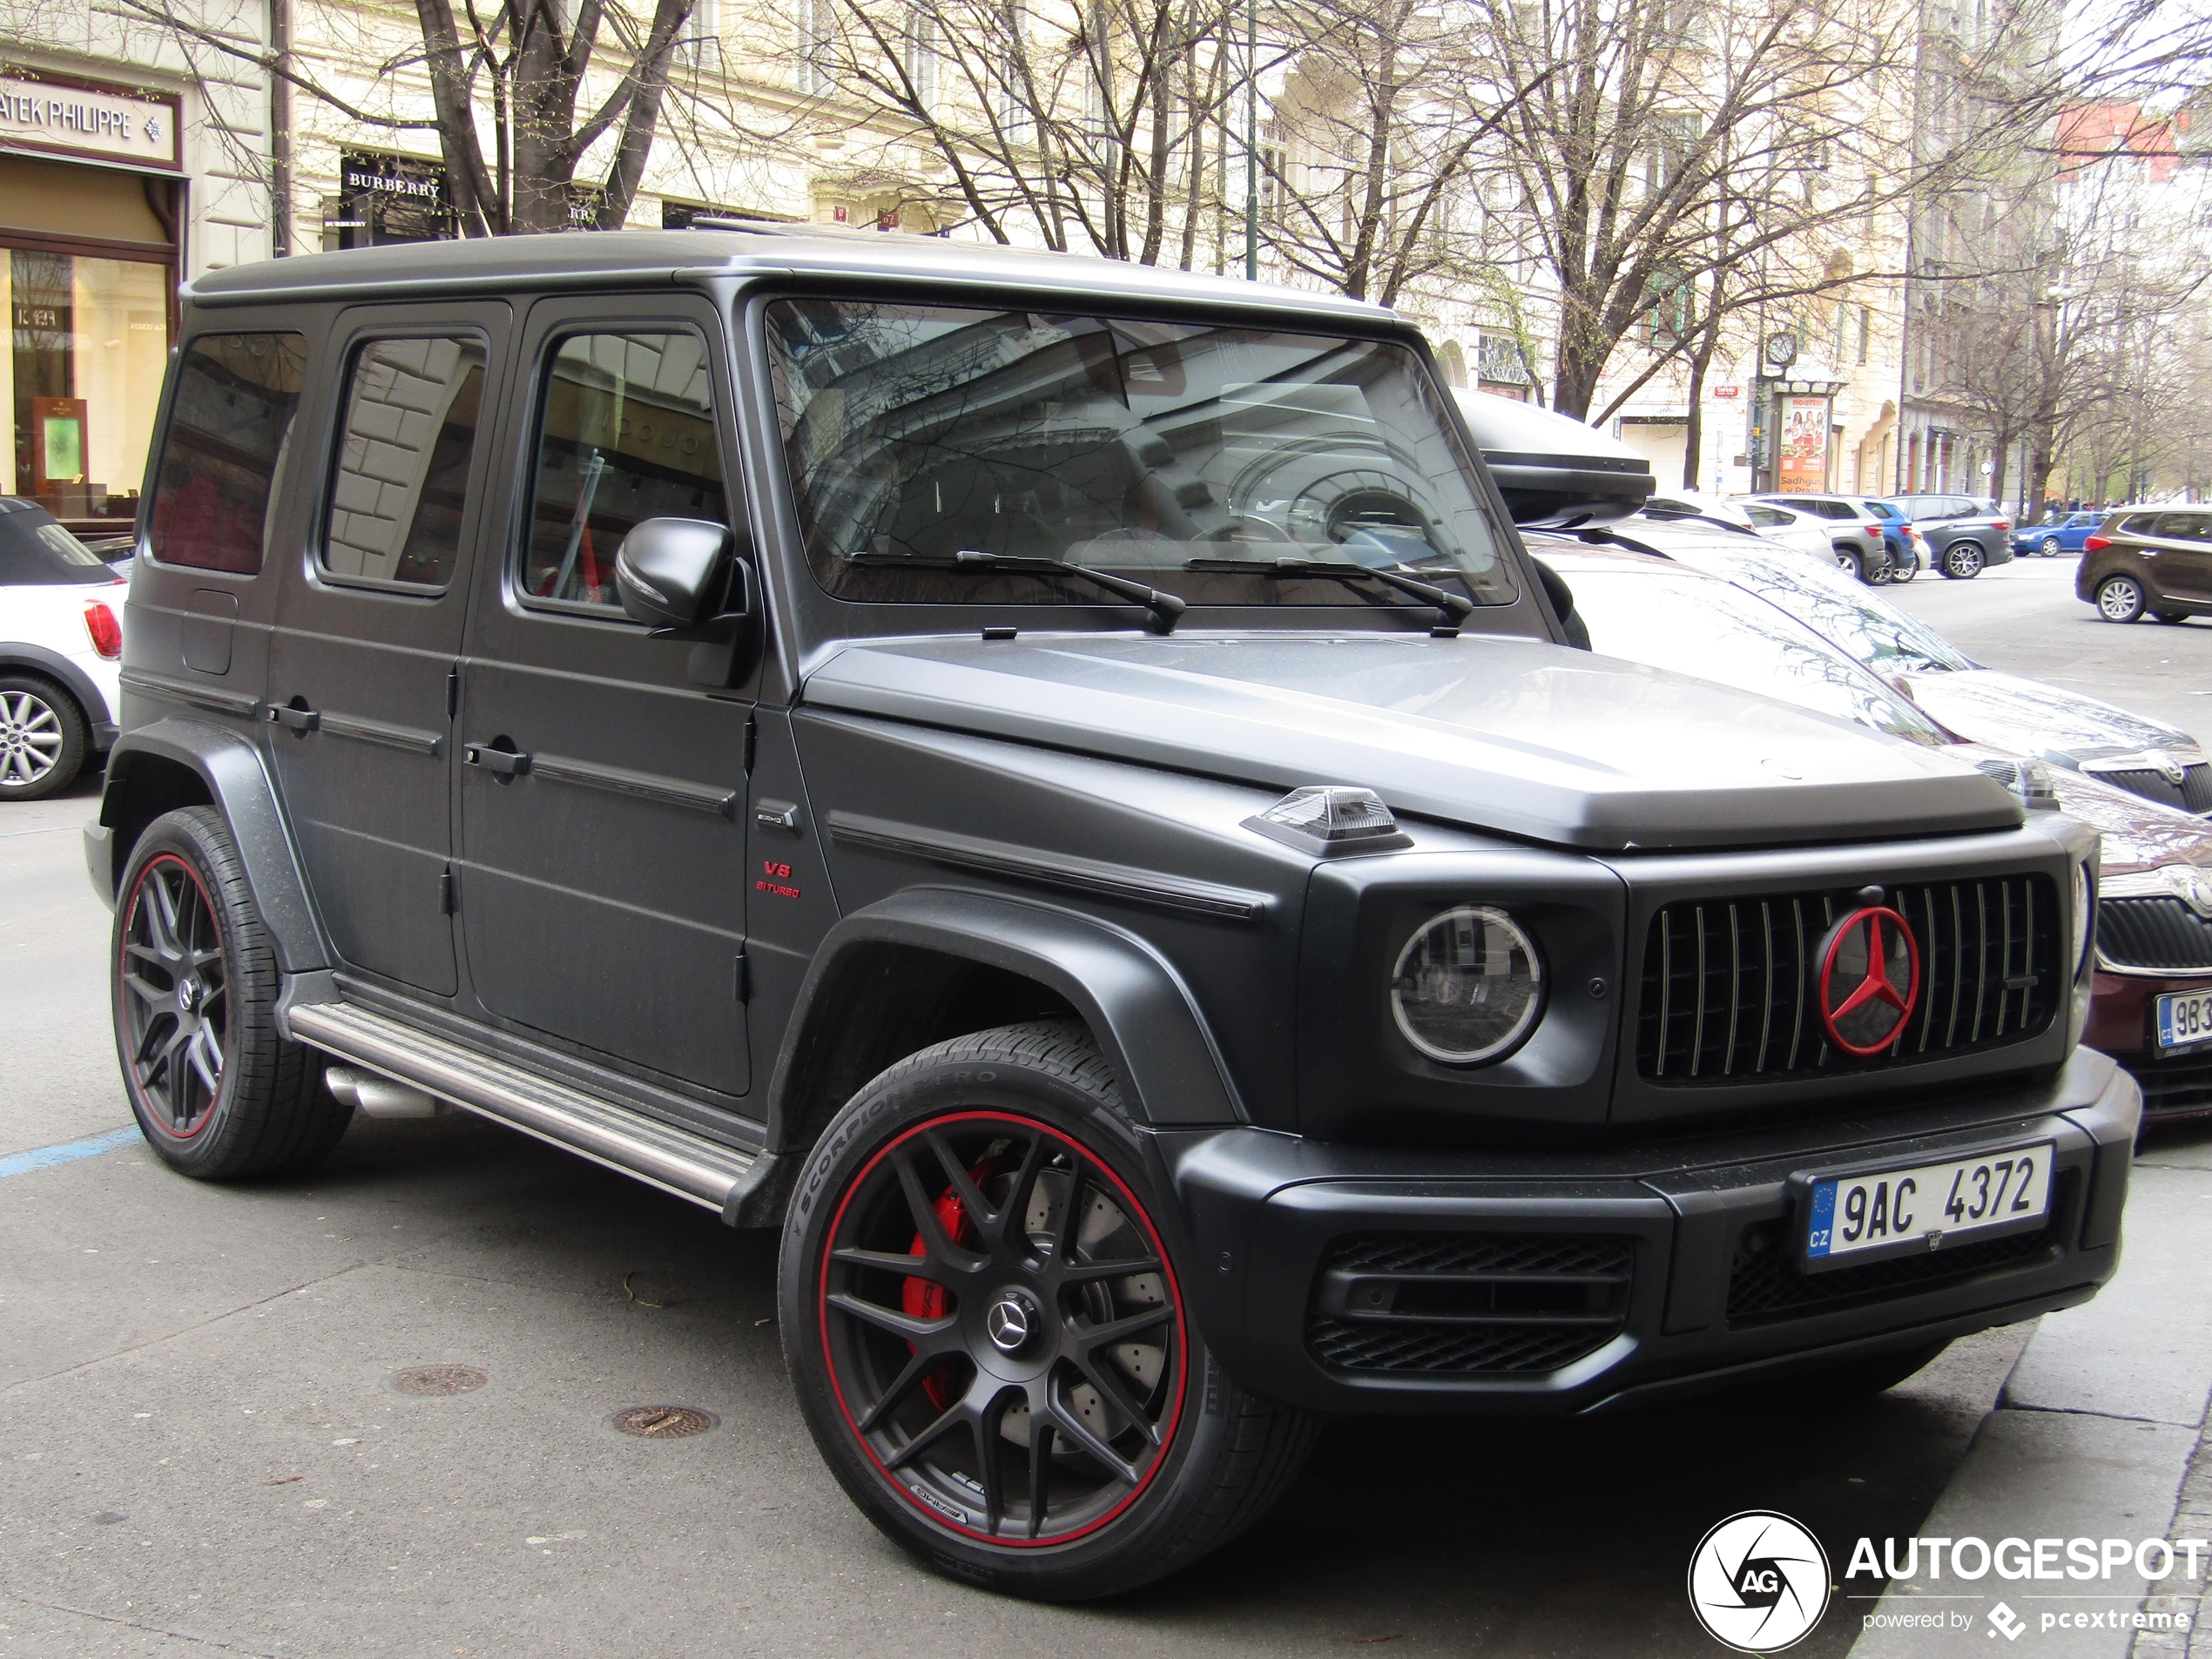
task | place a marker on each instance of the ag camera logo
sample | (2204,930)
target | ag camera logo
(1758,1581)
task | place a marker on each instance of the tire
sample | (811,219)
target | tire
(1962,561)
(973,1159)
(1853,563)
(2174,616)
(1906,569)
(43,737)
(218,1092)
(2048,547)
(2119,598)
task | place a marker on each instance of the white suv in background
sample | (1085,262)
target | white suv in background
(61,651)
(1852,532)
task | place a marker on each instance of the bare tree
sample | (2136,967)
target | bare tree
(507,85)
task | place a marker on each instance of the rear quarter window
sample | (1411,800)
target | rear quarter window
(224,451)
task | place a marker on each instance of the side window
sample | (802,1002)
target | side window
(625,432)
(2139,524)
(229,436)
(1765,518)
(401,484)
(2181,527)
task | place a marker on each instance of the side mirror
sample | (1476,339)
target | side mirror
(672,572)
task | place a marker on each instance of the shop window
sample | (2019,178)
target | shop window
(399,492)
(626,432)
(223,456)
(88,342)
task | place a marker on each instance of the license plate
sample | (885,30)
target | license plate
(1934,1206)
(2184,1018)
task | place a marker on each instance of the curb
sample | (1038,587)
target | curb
(2099,1431)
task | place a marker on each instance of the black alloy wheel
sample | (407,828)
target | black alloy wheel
(217,1090)
(989,1333)
(1962,561)
(173,1016)
(1003,1328)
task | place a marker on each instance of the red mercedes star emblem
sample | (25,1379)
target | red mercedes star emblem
(1870,978)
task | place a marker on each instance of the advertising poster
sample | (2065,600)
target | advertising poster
(1803,457)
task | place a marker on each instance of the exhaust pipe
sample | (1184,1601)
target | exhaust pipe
(375,1096)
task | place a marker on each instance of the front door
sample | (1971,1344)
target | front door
(2182,566)
(601,885)
(369,627)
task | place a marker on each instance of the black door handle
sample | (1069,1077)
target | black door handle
(295,719)
(505,762)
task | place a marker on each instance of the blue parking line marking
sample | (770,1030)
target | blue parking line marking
(46,1157)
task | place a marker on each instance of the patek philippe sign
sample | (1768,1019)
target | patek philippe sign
(70,118)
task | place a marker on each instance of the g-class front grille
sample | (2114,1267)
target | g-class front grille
(2153,932)
(1467,1304)
(1765,1284)
(1731,989)
(2192,794)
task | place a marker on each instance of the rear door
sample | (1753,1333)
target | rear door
(366,647)
(602,887)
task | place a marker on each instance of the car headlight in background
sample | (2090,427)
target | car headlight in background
(1467,987)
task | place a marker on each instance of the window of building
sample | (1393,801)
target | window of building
(921,58)
(625,432)
(399,490)
(1674,135)
(88,339)
(223,456)
(817,45)
(1866,330)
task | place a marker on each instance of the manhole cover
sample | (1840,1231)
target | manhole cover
(665,1422)
(439,1379)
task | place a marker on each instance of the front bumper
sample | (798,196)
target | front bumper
(2123,1009)
(1337,1276)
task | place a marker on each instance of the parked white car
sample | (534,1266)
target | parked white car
(61,651)
(1792,527)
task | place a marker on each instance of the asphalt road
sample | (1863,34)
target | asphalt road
(201,1449)
(2023,618)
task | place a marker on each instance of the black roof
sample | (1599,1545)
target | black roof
(749,250)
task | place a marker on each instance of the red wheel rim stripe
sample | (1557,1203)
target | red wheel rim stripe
(1167,1269)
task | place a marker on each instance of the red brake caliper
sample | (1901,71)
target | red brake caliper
(923,1300)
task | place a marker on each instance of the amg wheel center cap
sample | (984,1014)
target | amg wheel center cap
(1010,1321)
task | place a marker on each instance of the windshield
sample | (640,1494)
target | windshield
(1175,452)
(1718,632)
(1870,629)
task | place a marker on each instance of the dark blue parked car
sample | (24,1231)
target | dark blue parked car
(2059,533)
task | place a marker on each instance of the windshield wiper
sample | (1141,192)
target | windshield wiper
(1166,608)
(1452,607)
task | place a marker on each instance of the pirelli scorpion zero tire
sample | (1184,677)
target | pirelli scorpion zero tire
(986,1327)
(217,1092)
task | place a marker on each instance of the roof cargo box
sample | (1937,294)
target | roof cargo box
(1555,472)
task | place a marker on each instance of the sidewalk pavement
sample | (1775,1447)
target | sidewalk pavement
(2100,1433)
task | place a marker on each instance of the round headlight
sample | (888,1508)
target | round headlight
(2085,911)
(1467,985)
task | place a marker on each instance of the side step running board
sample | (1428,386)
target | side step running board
(688,1165)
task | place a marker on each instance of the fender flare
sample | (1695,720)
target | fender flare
(1133,999)
(39,659)
(237,783)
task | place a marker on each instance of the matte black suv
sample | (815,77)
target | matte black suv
(1058,786)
